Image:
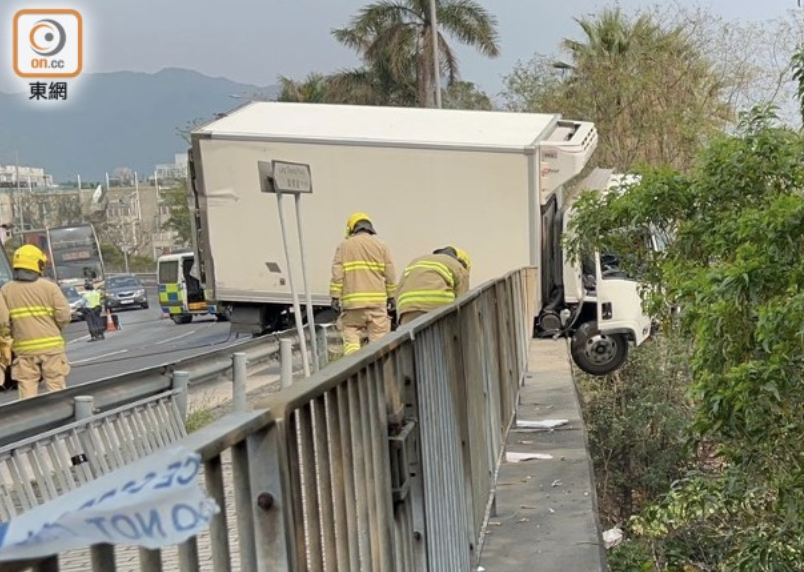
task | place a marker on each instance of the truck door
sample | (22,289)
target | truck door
(619,306)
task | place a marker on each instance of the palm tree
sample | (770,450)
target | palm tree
(611,34)
(648,87)
(312,89)
(400,34)
(375,83)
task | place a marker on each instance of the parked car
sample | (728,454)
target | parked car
(76,301)
(125,291)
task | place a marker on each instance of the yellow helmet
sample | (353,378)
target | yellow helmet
(29,257)
(354,219)
(463,258)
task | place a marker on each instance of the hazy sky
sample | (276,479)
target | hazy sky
(256,40)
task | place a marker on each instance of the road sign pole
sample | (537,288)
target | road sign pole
(308,296)
(280,177)
(293,292)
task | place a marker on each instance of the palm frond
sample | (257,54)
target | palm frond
(471,24)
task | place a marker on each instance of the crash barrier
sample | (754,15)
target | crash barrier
(149,280)
(48,411)
(45,467)
(385,460)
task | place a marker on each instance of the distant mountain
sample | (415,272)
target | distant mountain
(121,119)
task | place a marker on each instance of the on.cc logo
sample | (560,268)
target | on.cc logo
(48,43)
(48,38)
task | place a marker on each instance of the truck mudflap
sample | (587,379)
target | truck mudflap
(619,305)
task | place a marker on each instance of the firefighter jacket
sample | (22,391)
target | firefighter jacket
(363,274)
(36,311)
(429,282)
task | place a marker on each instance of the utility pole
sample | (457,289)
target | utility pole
(137,193)
(436,62)
(19,193)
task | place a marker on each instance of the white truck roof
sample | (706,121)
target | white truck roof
(383,126)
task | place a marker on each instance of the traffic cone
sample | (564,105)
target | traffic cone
(110,327)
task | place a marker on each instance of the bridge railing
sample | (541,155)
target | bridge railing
(385,460)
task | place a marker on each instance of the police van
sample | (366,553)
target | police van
(180,293)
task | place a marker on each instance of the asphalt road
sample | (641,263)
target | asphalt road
(144,340)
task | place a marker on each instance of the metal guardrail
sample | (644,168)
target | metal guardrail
(148,279)
(48,411)
(44,467)
(385,460)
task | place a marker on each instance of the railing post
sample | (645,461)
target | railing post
(84,406)
(286,362)
(181,382)
(239,382)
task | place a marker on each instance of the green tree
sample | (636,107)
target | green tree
(400,34)
(179,220)
(465,95)
(730,281)
(651,92)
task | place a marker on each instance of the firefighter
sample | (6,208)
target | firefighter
(431,281)
(34,312)
(363,284)
(92,313)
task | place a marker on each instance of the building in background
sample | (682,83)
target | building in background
(167,173)
(135,219)
(6,211)
(36,176)
(134,216)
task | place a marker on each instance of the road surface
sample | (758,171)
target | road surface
(144,340)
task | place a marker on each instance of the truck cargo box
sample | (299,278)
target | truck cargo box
(427,177)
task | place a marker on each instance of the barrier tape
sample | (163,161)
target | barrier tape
(153,503)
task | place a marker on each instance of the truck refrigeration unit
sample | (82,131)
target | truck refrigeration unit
(489,182)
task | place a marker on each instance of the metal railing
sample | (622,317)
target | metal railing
(149,280)
(385,460)
(45,412)
(46,466)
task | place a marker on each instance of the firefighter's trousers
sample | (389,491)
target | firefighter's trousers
(30,371)
(352,324)
(408,317)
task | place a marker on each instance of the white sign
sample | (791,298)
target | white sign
(292,177)
(153,503)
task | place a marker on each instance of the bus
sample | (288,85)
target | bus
(74,254)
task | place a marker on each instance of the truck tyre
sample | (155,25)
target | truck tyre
(595,353)
(182,318)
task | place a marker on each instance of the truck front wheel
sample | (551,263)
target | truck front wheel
(598,354)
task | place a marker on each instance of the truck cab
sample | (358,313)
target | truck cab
(591,300)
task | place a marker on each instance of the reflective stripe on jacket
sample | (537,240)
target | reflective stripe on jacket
(429,282)
(36,313)
(93,298)
(363,274)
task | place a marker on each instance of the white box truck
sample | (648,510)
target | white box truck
(489,182)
